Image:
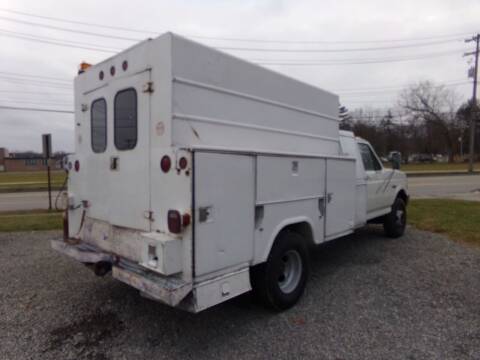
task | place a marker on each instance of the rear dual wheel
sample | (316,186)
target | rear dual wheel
(280,281)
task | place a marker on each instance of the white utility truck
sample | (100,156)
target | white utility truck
(198,176)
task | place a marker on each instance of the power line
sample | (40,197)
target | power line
(253,40)
(348,60)
(76,31)
(52,41)
(38,101)
(37,84)
(330,42)
(80,43)
(376,48)
(392,87)
(36,93)
(65,80)
(82,22)
(364,62)
(344,91)
(34,81)
(277,50)
(35,109)
(373,91)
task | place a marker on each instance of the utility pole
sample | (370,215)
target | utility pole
(473,111)
(47,154)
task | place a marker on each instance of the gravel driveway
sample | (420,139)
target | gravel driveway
(369,297)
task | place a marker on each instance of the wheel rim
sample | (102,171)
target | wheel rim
(291,271)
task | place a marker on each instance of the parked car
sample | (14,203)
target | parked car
(422,158)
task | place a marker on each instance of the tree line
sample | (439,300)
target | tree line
(428,119)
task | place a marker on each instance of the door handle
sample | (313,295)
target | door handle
(114,162)
(321,207)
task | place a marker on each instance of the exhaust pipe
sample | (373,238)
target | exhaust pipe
(102,268)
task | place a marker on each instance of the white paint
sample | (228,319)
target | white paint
(263,152)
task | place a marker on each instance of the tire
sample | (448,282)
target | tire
(280,281)
(395,222)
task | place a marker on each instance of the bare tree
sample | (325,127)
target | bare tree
(436,107)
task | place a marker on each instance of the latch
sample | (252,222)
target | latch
(148,214)
(205,214)
(114,163)
(321,207)
(148,87)
(329,197)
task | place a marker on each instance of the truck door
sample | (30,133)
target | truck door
(340,199)
(117,180)
(374,179)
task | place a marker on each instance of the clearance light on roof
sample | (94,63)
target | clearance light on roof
(125,65)
(112,70)
(83,67)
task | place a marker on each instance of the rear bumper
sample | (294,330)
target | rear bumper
(167,289)
(82,252)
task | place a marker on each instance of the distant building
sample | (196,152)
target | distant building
(16,162)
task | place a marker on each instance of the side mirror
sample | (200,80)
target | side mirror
(395,163)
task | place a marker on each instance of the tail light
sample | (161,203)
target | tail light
(177,221)
(174,221)
(183,163)
(165,163)
(77,165)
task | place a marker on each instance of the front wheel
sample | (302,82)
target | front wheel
(280,281)
(395,222)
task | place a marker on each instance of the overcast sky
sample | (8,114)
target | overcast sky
(320,25)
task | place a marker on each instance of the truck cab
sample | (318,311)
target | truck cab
(377,188)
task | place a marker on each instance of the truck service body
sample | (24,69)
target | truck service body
(197,176)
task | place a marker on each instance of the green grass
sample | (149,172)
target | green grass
(458,219)
(436,167)
(30,220)
(30,180)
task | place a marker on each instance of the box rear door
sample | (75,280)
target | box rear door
(116,178)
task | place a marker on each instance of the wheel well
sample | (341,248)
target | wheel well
(403,195)
(302,228)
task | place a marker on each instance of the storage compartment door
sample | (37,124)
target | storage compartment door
(224,211)
(341,197)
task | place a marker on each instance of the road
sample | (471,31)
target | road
(25,200)
(465,187)
(458,187)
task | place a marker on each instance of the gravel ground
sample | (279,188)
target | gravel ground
(369,298)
